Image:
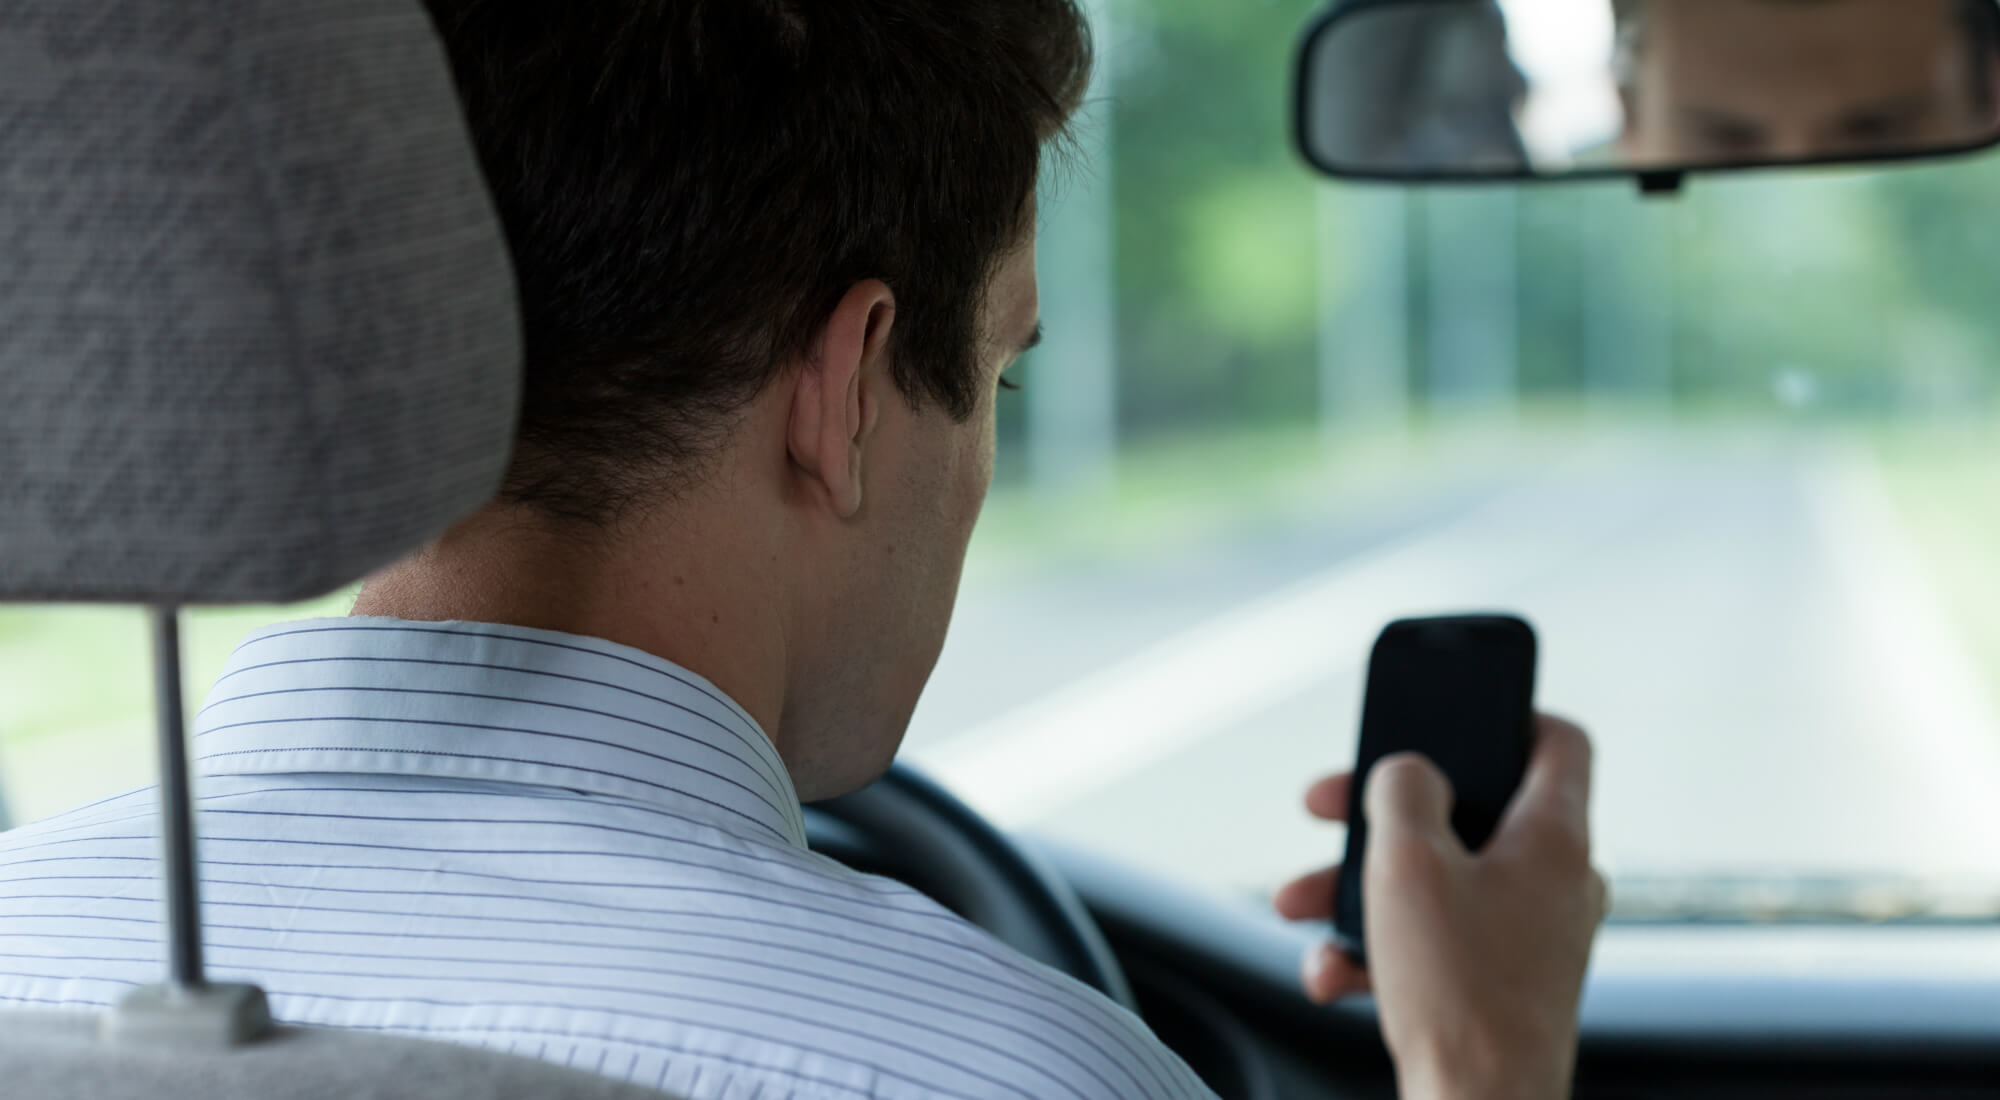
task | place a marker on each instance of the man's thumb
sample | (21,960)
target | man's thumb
(1407,793)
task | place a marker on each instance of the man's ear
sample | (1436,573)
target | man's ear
(835,403)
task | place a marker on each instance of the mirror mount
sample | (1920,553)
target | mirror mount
(1661,185)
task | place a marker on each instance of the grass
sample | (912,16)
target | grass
(76,693)
(1190,490)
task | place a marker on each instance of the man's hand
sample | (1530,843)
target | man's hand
(1476,960)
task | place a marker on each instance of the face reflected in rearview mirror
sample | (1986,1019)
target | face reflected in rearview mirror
(1519,89)
(1705,81)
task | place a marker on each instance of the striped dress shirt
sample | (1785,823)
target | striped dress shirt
(554,846)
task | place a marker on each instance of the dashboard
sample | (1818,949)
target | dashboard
(1792,1011)
(1692,1011)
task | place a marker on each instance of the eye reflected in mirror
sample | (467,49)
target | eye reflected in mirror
(1514,89)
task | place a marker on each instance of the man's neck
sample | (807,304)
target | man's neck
(505,565)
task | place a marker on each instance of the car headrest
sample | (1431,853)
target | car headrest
(257,323)
(61,1057)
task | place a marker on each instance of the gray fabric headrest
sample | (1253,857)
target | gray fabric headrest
(257,322)
(59,1057)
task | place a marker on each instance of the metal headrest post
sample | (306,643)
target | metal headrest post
(187,1010)
(180,883)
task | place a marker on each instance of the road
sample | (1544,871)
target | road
(1773,684)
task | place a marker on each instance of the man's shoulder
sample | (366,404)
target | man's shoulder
(654,928)
(1022,999)
(920,968)
(888,915)
(134,812)
(913,922)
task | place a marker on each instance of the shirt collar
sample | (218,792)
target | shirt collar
(500,703)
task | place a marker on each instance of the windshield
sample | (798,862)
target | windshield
(1732,454)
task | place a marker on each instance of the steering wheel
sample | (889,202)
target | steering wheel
(906,827)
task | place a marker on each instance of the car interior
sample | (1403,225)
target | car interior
(1664,323)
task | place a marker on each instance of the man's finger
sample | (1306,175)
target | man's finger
(1328,975)
(1328,798)
(1309,897)
(1407,793)
(1558,779)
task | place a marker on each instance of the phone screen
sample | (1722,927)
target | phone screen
(1461,692)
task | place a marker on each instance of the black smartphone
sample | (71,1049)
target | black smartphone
(1461,691)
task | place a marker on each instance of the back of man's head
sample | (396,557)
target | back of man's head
(689,186)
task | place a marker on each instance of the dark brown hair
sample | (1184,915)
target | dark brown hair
(690,186)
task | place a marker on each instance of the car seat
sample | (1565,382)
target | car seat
(258,337)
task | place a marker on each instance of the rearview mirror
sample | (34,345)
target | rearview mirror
(1467,90)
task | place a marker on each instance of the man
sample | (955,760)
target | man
(542,793)
(1720,81)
